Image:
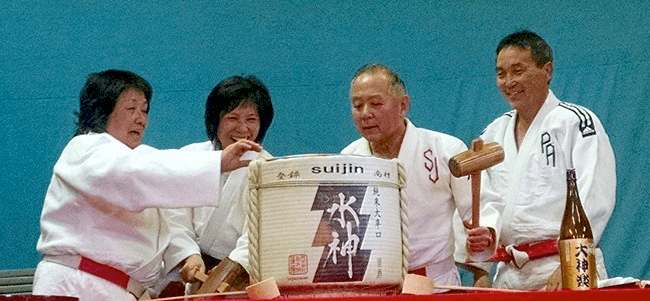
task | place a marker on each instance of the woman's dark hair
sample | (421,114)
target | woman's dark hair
(99,95)
(231,92)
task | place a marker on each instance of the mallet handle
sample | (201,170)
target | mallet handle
(201,276)
(477,145)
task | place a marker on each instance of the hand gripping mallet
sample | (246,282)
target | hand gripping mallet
(227,276)
(471,162)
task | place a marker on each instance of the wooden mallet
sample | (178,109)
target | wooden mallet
(471,162)
(225,277)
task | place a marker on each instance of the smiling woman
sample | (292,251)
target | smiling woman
(240,123)
(238,109)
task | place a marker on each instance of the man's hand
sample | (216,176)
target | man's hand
(480,239)
(230,156)
(193,264)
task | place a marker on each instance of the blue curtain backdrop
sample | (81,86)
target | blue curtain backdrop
(307,53)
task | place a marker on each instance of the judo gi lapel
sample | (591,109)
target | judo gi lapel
(235,189)
(230,193)
(532,134)
(518,163)
(364,148)
(409,144)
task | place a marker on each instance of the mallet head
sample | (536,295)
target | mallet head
(471,161)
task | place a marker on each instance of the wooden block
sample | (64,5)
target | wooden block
(265,289)
(417,285)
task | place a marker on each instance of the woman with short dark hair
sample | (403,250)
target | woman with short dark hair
(102,234)
(239,107)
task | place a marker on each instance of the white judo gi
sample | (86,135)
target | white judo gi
(214,230)
(102,204)
(433,194)
(532,182)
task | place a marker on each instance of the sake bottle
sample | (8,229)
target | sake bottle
(576,244)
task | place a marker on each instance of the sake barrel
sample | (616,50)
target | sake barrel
(328,224)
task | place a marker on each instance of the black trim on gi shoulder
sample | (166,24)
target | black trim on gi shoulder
(587,127)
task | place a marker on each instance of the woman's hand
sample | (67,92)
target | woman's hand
(231,155)
(193,264)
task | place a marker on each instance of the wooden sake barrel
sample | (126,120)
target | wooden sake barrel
(328,224)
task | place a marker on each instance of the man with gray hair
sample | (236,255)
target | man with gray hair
(379,104)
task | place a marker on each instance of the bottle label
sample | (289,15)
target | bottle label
(578,264)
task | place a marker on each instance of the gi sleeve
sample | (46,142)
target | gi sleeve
(591,154)
(103,169)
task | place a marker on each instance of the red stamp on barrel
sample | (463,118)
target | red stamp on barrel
(298,264)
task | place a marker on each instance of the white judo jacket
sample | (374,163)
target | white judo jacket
(433,194)
(213,230)
(102,204)
(532,181)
